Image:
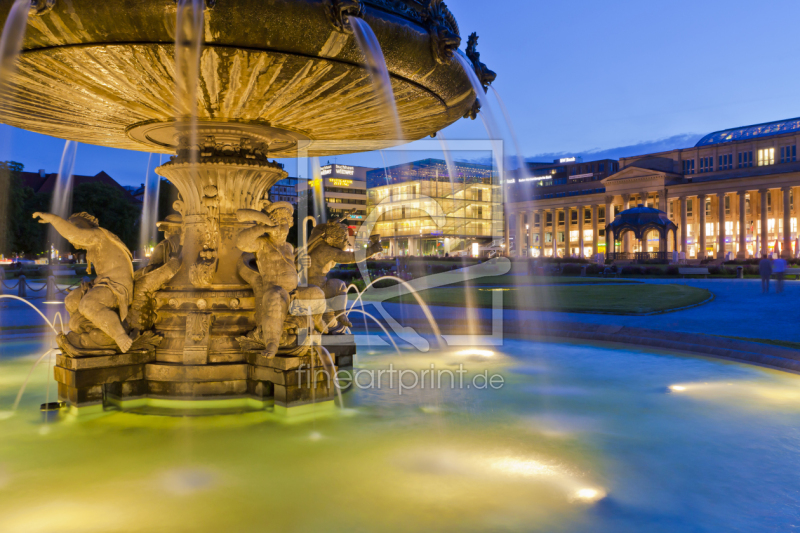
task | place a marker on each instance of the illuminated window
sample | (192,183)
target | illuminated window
(788,154)
(766,157)
(708,207)
(689,207)
(710,227)
(727,205)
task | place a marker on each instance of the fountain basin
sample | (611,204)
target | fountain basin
(103,73)
(580,438)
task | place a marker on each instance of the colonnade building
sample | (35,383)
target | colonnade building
(731,195)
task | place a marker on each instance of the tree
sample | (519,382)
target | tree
(112,209)
(19,232)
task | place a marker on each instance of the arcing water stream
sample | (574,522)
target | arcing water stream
(11,41)
(376,64)
(61,202)
(148,232)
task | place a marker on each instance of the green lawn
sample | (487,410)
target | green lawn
(508,280)
(614,299)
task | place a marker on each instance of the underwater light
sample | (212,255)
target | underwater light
(677,388)
(482,353)
(53,303)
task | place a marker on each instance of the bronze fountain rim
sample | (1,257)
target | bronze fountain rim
(266,49)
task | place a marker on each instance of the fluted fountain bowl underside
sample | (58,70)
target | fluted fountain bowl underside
(102,72)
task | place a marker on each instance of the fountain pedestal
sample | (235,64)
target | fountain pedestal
(206,306)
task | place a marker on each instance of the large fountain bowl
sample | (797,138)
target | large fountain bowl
(103,72)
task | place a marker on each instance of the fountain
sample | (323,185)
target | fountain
(61,203)
(251,82)
(147,230)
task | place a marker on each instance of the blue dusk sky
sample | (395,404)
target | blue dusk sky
(582,77)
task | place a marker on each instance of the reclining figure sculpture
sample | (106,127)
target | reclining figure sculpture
(99,310)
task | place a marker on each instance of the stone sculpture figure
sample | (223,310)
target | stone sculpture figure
(485,75)
(164,263)
(278,283)
(325,250)
(105,303)
(170,247)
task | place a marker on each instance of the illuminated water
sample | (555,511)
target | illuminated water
(381,82)
(572,424)
(148,231)
(61,202)
(11,40)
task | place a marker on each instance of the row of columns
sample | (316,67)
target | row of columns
(722,234)
(530,230)
(684,223)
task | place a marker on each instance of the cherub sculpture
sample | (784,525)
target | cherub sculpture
(171,246)
(277,284)
(164,263)
(326,249)
(103,304)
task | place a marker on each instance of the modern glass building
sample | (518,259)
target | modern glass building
(420,210)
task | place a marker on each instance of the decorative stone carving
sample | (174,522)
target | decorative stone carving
(210,4)
(325,250)
(443,29)
(104,312)
(485,75)
(143,313)
(282,308)
(472,114)
(198,329)
(339,11)
(105,304)
(41,7)
(201,273)
(197,326)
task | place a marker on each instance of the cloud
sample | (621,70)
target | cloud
(685,140)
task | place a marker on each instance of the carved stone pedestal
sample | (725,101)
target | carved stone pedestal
(293,380)
(84,381)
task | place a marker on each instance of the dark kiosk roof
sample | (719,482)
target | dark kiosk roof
(750,132)
(640,219)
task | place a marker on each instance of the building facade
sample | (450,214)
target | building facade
(731,195)
(560,191)
(419,210)
(343,190)
(284,190)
